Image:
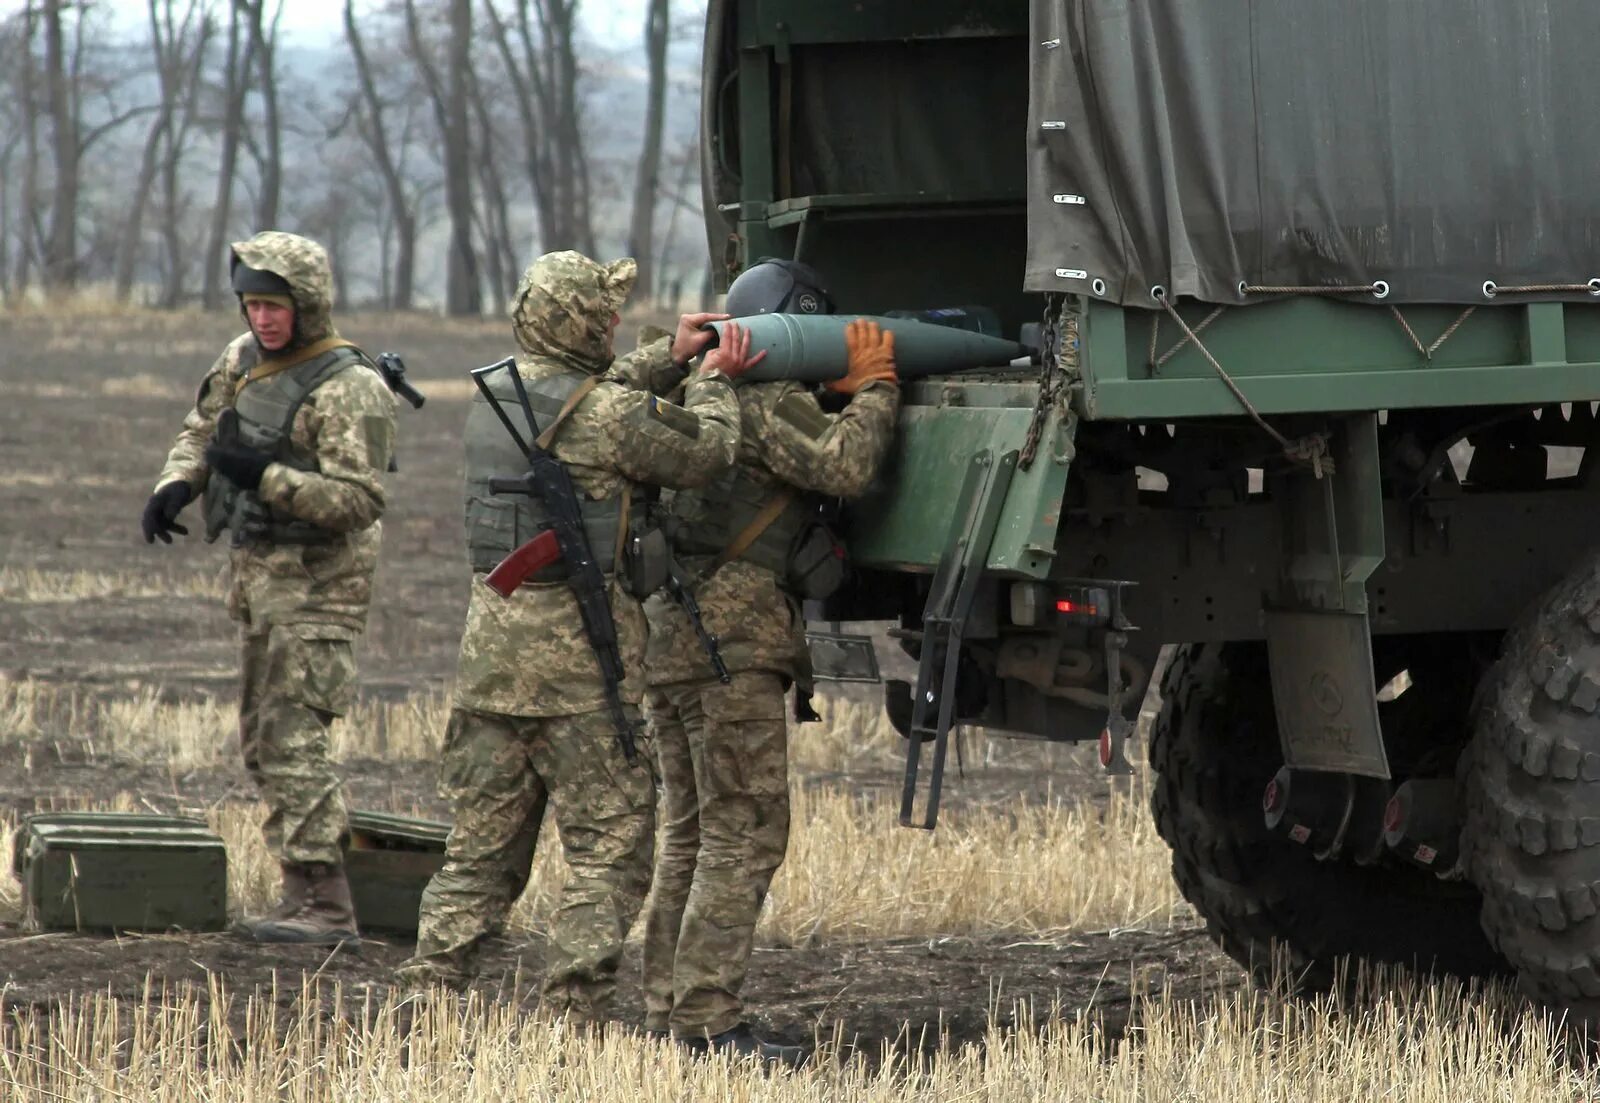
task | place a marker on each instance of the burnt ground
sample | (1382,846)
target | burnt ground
(88,405)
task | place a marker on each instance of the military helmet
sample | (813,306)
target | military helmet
(776,286)
(259,281)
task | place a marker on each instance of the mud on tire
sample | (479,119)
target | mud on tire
(1213,748)
(1531,792)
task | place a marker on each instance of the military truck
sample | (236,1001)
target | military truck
(1316,294)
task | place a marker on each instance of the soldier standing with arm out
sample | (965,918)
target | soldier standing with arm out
(722,747)
(288,440)
(531,719)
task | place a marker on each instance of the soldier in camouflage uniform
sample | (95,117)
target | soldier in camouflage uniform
(288,440)
(530,719)
(722,748)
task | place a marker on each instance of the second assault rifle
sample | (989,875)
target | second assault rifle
(547,480)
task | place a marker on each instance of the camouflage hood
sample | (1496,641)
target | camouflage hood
(563,307)
(304,265)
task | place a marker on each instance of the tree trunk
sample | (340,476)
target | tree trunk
(236,83)
(61,256)
(28,212)
(164,45)
(530,97)
(647,181)
(177,140)
(266,44)
(500,253)
(398,295)
(463,293)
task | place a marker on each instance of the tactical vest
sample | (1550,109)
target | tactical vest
(266,411)
(497,524)
(707,519)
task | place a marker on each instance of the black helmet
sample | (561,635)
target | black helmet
(774,286)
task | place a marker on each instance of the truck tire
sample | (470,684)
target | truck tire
(1266,901)
(1531,830)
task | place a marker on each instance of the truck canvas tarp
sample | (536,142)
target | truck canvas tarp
(1198,145)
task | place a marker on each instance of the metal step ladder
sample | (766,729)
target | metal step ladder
(944,619)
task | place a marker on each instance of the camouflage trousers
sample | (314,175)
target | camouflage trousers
(722,752)
(499,771)
(293,685)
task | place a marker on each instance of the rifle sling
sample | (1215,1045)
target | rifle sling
(758,524)
(622,529)
(548,437)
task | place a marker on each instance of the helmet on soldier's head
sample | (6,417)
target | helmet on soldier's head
(774,286)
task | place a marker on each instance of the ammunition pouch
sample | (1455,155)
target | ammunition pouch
(646,557)
(818,563)
(266,411)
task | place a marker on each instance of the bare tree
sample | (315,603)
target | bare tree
(61,252)
(647,182)
(30,230)
(178,48)
(270,190)
(374,130)
(539,56)
(495,232)
(237,64)
(177,259)
(463,295)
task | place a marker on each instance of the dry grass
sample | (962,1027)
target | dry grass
(31,584)
(146,727)
(1428,1046)
(853,873)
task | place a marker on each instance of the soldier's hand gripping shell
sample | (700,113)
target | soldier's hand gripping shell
(732,356)
(161,512)
(871,357)
(692,338)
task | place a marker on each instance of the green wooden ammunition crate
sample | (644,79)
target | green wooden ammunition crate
(389,860)
(101,871)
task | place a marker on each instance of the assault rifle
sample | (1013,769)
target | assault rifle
(393,371)
(681,592)
(547,480)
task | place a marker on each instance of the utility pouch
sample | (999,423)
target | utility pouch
(818,563)
(646,559)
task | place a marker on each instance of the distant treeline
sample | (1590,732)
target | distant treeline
(434,146)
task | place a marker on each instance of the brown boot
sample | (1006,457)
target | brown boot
(292,899)
(325,915)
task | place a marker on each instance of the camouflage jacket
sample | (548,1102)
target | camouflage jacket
(347,424)
(758,625)
(527,655)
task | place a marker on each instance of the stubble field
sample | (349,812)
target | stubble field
(1033,947)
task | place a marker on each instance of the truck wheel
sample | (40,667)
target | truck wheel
(1213,747)
(1531,834)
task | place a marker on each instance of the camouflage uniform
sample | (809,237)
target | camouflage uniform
(722,749)
(299,606)
(530,718)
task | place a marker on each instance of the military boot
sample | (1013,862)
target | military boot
(741,1041)
(292,897)
(325,915)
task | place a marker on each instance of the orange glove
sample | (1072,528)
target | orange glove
(871,351)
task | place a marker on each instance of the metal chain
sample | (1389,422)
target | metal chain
(1050,378)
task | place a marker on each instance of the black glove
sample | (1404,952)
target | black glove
(242,464)
(161,511)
